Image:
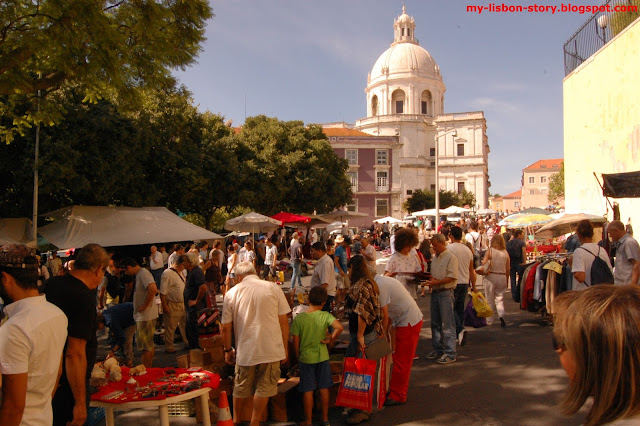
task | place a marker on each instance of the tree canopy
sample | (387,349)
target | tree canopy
(556,186)
(422,199)
(104,48)
(170,154)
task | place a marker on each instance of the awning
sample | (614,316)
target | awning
(78,226)
(621,185)
(17,230)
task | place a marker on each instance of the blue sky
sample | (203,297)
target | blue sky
(308,60)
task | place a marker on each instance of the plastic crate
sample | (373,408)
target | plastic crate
(182,408)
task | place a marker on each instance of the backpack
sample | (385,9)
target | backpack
(113,285)
(600,272)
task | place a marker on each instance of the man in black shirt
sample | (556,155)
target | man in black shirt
(75,294)
(517,249)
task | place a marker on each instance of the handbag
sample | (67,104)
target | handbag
(486,268)
(480,304)
(380,348)
(356,388)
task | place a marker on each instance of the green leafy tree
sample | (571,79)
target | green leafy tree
(422,199)
(106,48)
(289,166)
(556,186)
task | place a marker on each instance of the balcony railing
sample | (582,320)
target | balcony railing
(611,18)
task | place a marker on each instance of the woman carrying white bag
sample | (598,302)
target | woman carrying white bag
(495,268)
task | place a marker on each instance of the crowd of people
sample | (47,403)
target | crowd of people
(52,322)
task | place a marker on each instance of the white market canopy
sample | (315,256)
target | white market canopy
(252,222)
(17,230)
(454,209)
(428,212)
(391,220)
(78,226)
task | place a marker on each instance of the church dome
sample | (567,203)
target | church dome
(405,56)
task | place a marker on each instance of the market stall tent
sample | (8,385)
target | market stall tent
(18,230)
(77,226)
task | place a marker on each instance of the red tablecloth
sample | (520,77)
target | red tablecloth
(152,379)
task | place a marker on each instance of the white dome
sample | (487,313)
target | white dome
(405,58)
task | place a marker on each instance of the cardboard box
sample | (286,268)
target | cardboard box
(286,405)
(213,412)
(210,342)
(183,361)
(245,414)
(226,384)
(199,358)
(217,353)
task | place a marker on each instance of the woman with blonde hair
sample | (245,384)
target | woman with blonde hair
(597,336)
(496,268)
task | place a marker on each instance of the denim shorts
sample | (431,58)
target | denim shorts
(315,376)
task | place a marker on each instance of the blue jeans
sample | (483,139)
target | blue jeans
(515,290)
(460,295)
(443,323)
(296,266)
(157,276)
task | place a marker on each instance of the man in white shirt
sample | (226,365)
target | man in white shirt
(31,341)
(172,298)
(54,263)
(466,276)
(165,257)
(323,273)
(369,253)
(156,265)
(145,310)
(270,260)
(474,238)
(584,256)
(256,312)
(627,259)
(405,316)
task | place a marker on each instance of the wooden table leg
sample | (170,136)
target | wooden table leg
(204,408)
(109,421)
(164,415)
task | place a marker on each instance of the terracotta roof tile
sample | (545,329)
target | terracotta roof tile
(517,194)
(546,164)
(341,131)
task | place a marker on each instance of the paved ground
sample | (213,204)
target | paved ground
(503,376)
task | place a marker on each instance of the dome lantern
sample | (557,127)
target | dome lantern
(404,28)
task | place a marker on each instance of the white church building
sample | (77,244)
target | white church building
(405,100)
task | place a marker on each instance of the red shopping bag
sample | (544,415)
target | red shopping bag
(356,389)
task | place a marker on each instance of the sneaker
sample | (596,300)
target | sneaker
(462,337)
(445,359)
(391,402)
(433,355)
(502,323)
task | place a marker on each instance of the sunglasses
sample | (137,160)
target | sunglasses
(557,346)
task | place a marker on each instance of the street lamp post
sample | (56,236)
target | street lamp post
(454,132)
(603,23)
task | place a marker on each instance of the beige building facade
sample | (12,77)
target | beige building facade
(535,182)
(602,124)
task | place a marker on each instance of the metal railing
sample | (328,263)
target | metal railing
(605,24)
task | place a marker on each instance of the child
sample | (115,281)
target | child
(309,330)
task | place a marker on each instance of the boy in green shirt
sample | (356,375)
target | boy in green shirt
(309,330)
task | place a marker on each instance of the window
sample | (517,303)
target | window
(460,149)
(460,187)
(543,166)
(433,164)
(382,157)
(543,179)
(532,191)
(516,204)
(353,178)
(426,102)
(409,191)
(351,155)
(532,180)
(555,166)
(382,208)
(397,100)
(432,152)
(374,106)
(432,187)
(544,190)
(353,206)
(382,183)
